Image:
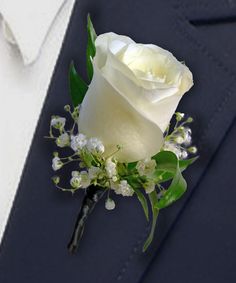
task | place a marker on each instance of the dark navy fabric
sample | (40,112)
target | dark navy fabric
(196,237)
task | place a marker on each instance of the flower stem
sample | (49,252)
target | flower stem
(92,196)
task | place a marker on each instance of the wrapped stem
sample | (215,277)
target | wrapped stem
(92,196)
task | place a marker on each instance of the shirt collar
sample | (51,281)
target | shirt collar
(26,24)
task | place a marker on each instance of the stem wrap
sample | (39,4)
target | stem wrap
(92,196)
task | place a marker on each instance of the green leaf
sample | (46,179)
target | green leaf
(143,202)
(176,189)
(155,211)
(166,165)
(183,164)
(131,165)
(166,161)
(78,87)
(91,49)
(87,158)
(135,184)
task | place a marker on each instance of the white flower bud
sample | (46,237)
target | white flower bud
(82,164)
(110,204)
(75,173)
(56,180)
(146,167)
(75,182)
(114,178)
(55,154)
(192,149)
(179,116)
(67,108)
(78,142)
(58,122)
(184,154)
(179,140)
(189,120)
(56,163)
(187,136)
(63,140)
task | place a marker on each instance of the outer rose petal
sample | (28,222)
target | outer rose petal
(108,115)
(102,43)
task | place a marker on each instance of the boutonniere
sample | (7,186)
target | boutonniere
(118,132)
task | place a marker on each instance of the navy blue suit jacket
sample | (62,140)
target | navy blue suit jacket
(196,237)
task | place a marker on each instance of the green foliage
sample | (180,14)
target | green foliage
(166,165)
(169,161)
(155,211)
(91,49)
(131,166)
(183,164)
(78,87)
(136,185)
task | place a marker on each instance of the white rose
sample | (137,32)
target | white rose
(133,94)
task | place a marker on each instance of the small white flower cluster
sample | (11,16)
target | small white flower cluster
(80,180)
(63,140)
(180,140)
(122,188)
(56,163)
(58,122)
(147,168)
(78,142)
(110,166)
(95,146)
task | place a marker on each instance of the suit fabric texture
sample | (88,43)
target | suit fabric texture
(195,238)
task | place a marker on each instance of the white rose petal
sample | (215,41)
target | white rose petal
(134,93)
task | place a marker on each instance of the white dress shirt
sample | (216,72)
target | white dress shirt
(31,36)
